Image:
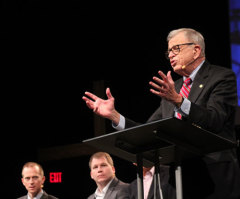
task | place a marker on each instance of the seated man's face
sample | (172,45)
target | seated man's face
(32,180)
(101,171)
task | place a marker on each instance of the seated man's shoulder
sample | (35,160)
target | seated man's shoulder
(51,197)
(122,184)
(47,196)
(122,191)
(23,197)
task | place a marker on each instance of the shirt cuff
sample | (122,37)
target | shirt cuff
(120,125)
(184,108)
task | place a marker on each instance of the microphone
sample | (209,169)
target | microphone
(185,65)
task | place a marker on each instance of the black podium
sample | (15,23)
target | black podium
(160,142)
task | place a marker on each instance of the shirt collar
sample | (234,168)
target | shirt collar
(104,191)
(193,74)
(149,173)
(38,196)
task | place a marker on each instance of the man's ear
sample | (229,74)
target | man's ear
(197,51)
(43,179)
(22,180)
(91,174)
(113,168)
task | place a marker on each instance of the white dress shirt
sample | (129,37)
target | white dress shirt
(147,181)
(100,194)
(186,104)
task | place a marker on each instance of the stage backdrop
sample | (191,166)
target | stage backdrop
(235,39)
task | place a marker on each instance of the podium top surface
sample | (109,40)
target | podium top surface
(162,136)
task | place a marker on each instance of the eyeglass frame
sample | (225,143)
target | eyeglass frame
(177,50)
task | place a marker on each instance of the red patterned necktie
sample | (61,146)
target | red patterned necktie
(184,92)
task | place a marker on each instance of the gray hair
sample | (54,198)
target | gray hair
(193,36)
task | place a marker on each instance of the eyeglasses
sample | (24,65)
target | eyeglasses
(176,49)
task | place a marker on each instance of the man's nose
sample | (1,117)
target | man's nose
(171,54)
(99,169)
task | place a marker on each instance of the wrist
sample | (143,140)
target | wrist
(179,101)
(115,117)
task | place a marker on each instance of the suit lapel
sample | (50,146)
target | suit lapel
(151,190)
(199,83)
(92,196)
(44,196)
(110,189)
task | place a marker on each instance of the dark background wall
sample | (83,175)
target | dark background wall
(54,51)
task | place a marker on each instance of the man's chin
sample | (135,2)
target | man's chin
(33,192)
(102,180)
(178,69)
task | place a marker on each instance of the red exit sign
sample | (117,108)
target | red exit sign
(55,177)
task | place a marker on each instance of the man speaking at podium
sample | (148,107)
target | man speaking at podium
(206,96)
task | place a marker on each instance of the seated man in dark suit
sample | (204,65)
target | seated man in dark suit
(148,184)
(33,179)
(103,173)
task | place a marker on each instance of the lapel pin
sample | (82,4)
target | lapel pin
(200,86)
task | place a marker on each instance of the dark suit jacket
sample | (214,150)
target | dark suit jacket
(44,196)
(213,99)
(116,190)
(166,189)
